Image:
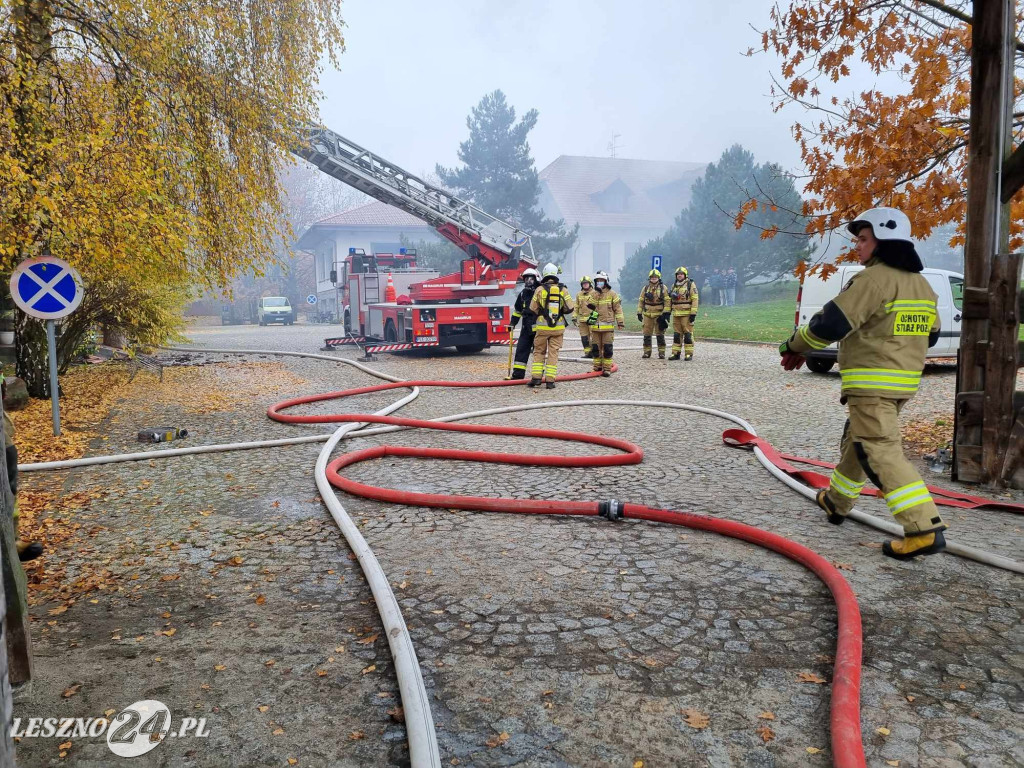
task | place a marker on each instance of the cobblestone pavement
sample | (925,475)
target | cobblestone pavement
(543,641)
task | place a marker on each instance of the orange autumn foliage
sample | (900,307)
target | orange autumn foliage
(904,145)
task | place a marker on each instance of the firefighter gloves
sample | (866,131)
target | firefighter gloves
(791,361)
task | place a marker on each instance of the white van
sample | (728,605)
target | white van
(815,293)
(274,309)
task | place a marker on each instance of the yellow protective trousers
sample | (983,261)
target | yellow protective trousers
(872,449)
(682,334)
(546,345)
(601,348)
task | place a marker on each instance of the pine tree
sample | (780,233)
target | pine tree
(498,174)
(706,231)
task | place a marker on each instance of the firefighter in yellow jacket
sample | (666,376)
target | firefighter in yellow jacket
(654,309)
(884,320)
(605,315)
(683,298)
(581,313)
(551,305)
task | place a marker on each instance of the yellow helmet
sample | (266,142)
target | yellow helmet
(585,279)
(654,273)
(683,270)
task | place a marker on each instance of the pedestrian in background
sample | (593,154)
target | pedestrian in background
(716,288)
(731,280)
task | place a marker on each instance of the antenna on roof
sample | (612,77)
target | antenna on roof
(613,145)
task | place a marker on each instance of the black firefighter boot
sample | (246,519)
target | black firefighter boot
(661,347)
(533,383)
(647,347)
(586,347)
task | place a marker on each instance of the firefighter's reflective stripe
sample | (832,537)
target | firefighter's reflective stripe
(810,339)
(922,304)
(841,484)
(906,497)
(886,379)
(519,366)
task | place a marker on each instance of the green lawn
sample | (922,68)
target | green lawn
(766,320)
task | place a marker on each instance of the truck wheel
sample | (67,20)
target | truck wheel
(820,364)
(469,349)
(390,334)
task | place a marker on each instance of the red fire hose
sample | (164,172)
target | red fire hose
(847,749)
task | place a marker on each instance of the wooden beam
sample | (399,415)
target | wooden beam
(1014,458)
(988,146)
(1000,362)
(1013,174)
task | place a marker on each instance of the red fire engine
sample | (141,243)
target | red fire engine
(429,309)
(396,323)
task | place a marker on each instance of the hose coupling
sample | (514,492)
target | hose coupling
(610,509)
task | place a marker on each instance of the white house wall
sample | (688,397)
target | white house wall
(621,242)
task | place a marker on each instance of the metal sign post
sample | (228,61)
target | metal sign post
(51,346)
(48,289)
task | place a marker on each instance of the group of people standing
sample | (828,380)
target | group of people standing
(719,285)
(545,308)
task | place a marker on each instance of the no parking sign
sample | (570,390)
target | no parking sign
(48,288)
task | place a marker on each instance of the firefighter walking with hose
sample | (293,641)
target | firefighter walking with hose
(551,305)
(683,299)
(884,320)
(521,311)
(605,315)
(652,310)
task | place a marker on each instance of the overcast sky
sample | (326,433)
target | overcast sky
(668,77)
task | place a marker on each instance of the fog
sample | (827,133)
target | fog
(669,79)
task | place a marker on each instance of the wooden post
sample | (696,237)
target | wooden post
(15,585)
(988,359)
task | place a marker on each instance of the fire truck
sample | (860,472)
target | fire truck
(379,310)
(427,309)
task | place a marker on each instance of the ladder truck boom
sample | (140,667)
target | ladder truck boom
(502,251)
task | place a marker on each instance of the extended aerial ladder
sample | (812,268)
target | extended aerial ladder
(498,250)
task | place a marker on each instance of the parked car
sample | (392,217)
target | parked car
(274,309)
(815,293)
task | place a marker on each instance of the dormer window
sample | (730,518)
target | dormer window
(614,198)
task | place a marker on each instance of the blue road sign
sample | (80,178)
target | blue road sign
(46,288)
(656,262)
(311,299)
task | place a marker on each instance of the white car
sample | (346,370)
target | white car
(274,309)
(815,293)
